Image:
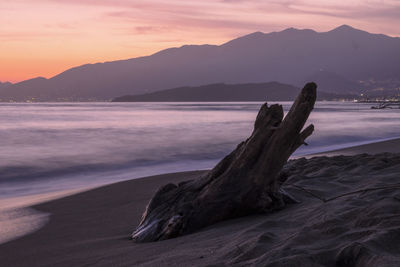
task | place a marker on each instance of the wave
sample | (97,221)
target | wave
(51,146)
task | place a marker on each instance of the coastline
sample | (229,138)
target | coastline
(386,146)
(92,227)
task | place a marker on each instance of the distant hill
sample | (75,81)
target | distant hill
(4,85)
(271,91)
(343,60)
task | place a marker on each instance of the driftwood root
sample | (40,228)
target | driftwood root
(247,181)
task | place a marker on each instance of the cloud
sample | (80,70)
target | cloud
(65,26)
(212,17)
(238,13)
(23,36)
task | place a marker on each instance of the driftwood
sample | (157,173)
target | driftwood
(245,182)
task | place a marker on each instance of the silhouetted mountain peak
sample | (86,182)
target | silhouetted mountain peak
(5,84)
(346,29)
(254,35)
(261,37)
(248,37)
(36,80)
(294,30)
(289,30)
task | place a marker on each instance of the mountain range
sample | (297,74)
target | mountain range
(343,61)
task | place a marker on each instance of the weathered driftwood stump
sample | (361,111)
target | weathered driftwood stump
(244,182)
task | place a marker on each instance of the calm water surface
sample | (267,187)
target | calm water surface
(57,146)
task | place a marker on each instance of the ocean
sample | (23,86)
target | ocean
(49,147)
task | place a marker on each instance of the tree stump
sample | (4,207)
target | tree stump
(244,182)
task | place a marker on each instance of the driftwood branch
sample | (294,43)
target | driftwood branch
(244,182)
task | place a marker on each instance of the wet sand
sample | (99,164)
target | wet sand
(331,226)
(391,146)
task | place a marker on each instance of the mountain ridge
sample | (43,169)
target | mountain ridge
(289,56)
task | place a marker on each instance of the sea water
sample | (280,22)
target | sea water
(48,147)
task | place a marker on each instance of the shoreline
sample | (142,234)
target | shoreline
(391,145)
(101,218)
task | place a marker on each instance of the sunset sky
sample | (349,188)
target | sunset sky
(46,37)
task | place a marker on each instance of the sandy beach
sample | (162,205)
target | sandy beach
(348,215)
(389,146)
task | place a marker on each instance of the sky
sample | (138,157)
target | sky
(46,37)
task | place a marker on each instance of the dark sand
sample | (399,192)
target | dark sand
(392,146)
(361,229)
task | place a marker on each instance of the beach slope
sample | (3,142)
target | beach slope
(348,215)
